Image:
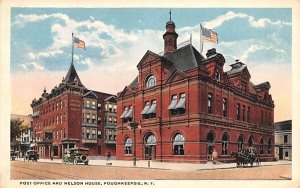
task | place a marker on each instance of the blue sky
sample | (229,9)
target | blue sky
(117,38)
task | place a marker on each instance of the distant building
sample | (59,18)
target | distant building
(25,141)
(283,140)
(185,105)
(70,116)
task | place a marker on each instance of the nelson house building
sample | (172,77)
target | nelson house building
(71,115)
(183,105)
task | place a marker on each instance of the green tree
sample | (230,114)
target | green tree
(16,128)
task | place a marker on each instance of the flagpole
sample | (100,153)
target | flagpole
(201,42)
(72,47)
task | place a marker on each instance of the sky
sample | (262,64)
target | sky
(117,38)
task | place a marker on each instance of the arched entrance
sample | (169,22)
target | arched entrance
(150,147)
(210,137)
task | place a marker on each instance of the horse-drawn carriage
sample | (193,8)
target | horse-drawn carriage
(245,157)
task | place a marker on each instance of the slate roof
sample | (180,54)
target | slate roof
(184,59)
(134,83)
(283,126)
(71,75)
(111,99)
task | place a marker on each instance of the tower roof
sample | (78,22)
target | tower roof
(72,76)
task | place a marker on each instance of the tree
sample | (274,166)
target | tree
(16,129)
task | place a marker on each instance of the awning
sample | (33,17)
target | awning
(181,104)
(152,109)
(172,105)
(129,113)
(145,110)
(124,113)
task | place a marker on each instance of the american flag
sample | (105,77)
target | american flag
(79,43)
(209,35)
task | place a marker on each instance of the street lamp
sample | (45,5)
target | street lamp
(128,117)
(133,125)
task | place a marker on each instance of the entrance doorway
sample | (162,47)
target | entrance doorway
(210,137)
(150,147)
(280,153)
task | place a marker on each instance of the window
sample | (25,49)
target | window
(172,105)
(217,76)
(127,147)
(238,108)
(93,133)
(243,88)
(99,135)
(87,103)
(61,118)
(115,108)
(250,141)
(88,135)
(110,107)
(128,115)
(244,112)
(240,143)
(181,104)
(178,145)
(224,107)
(110,120)
(262,118)
(151,82)
(225,144)
(93,105)
(94,119)
(261,146)
(248,114)
(125,111)
(152,109)
(285,139)
(56,119)
(209,103)
(145,110)
(286,154)
(88,118)
(269,146)
(55,151)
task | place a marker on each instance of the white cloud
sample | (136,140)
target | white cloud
(262,22)
(22,19)
(24,67)
(37,66)
(43,54)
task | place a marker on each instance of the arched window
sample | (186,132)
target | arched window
(151,81)
(240,143)
(261,146)
(178,144)
(251,141)
(217,76)
(210,142)
(269,146)
(225,144)
(151,140)
(128,146)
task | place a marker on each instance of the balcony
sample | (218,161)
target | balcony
(89,140)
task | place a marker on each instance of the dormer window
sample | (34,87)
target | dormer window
(243,88)
(217,76)
(151,81)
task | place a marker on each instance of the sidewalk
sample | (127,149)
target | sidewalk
(163,165)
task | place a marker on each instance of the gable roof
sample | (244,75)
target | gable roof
(91,95)
(72,76)
(111,99)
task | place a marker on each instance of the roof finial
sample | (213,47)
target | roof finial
(170,15)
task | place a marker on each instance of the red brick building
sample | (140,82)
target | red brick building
(185,106)
(71,116)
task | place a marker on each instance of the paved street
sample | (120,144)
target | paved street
(46,169)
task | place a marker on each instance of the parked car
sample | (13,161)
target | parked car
(13,155)
(76,155)
(31,155)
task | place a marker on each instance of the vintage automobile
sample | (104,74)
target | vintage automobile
(76,155)
(31,155)
(13,155)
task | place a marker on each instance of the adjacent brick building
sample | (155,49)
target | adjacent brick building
(70,116)
(185,106)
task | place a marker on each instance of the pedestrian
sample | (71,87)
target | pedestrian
(108,156)
(214,156)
